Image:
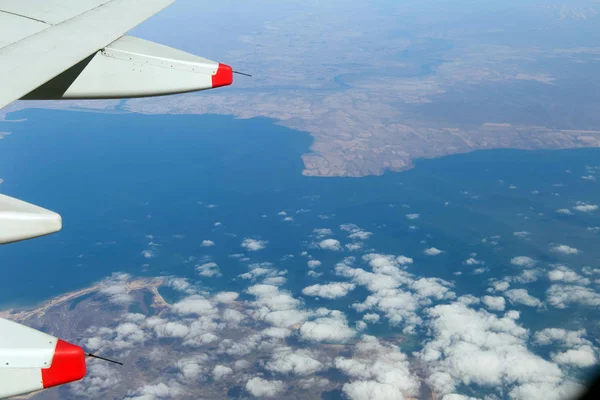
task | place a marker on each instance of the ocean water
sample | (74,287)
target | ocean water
(118,178)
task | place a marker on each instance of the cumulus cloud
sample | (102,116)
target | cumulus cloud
(562,296)
(523,261)
(495,303)
(356,246)
(473,261)
(585,207)
(160,390)
(266,272)
(463,340)
(276,307)
(413,216)
(332,290)
(521,296)
(286,360)
(207,243)
(254,245)
(116,289)
(100,377)
(322,232)
(432,251)
(195,304)
(220,371)
(314,264)
(582,357)
(378,372)
(560,273)
(574,349)
(564,249)
(260,387)
(209,269)
(564,211)
(330,244)
(332,327)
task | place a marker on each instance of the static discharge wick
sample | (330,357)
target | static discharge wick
(103,359)
(242,73)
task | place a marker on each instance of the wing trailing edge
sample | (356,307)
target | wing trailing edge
(132,67)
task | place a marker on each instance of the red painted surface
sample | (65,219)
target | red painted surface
(223,77)
(68,365)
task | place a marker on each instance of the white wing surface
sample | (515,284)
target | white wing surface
(40,39)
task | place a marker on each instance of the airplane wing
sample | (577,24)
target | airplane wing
(76,49)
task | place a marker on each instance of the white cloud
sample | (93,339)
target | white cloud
(371,318)
(331,328)
(499,286)
(464,340)
(259,387)
(226,297)
(322,232)
(585,208)
(432,251)
(207,243)
(276,307)
(413,216)
(288,361)
(523,261)
(562,296)
(582,357)
(564,337)
(209,269)
(473,261)
(254,245)
(403,260)
(522,234)
(314,264)
(195,305)
(148,254)
(115,288)
(330,244)
(160,390)
(564,211)
(220,372)
(266,272)
(469,300)
(356,246)
(360,235)
(521,296)
(564,274)
(332,290)
(564,249)
(495,303)
(379,372)
(528,276)
(99,378)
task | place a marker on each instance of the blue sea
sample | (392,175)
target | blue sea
(130,183)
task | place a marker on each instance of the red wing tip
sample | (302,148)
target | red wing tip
(223,77)
(68,365)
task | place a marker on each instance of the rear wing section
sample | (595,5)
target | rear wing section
(21,221)
(31,360)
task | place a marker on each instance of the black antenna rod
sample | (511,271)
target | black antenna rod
(242,73)
(103,359)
